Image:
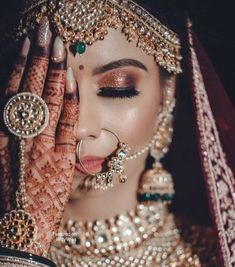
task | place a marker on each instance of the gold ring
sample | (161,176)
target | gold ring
(26,115)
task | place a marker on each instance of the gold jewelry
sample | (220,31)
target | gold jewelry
(101,244)
(55,59)
(104,180)
(164,128)
(25,115)
(84,22)
(157,184)
(125,232)
(91,182)
(16,258)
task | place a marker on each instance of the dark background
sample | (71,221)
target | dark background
(214,22)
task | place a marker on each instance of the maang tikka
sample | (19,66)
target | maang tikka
(83,22)
(156,183)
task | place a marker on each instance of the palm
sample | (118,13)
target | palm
(48,179)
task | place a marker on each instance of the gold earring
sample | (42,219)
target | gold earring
(157,184)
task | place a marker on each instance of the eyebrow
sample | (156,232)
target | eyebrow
(126,62)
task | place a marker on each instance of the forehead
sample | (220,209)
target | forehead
(114,47)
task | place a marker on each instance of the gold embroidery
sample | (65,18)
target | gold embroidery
(220,180)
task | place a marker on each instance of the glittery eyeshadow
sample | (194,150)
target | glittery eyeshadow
(118,79)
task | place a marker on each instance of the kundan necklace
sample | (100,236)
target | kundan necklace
(144,237)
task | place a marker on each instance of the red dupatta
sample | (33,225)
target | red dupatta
(215,119)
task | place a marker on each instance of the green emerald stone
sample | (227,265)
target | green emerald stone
(147,196)
(156,197)
(167,197)
(80,48)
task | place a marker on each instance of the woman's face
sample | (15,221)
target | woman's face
(119,90)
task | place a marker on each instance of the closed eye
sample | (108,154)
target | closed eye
(118,92)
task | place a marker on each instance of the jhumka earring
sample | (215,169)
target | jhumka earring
(157,184)
(25,115)
(115,165)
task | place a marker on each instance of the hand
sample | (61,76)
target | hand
(50,156)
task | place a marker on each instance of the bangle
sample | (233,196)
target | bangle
(16,258)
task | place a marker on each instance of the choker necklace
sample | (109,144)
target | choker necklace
(138,238)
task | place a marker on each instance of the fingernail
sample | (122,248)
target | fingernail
(25,47)
(58,53)
(71,85)
(44,33)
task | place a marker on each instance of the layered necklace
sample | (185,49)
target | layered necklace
(144,237)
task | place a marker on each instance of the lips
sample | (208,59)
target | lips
(91,164)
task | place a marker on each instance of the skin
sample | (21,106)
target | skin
(132,120)
(51,179)
(50,156)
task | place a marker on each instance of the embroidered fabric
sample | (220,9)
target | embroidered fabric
(218,175)
(215,145)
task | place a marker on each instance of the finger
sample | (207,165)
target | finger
(54,91)
(14,81)
(66,140)
(37,69)
(6,180)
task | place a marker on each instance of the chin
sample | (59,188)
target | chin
(78,186)
(77,180)
(75,195)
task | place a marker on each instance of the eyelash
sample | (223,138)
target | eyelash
(118,92)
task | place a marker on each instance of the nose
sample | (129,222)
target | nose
(88,126)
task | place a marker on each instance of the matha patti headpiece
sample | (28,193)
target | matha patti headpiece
(82,22)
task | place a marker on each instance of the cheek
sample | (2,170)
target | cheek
(135,118)
(139,127)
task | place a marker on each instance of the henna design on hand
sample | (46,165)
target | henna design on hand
(49,170)
(36,76)
(53,96)
(15,78)
(48,183)
(49,163)
(66,139)
(18,70)
(6,182)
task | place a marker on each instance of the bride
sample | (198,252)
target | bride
(112,150)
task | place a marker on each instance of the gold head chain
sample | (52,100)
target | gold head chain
(83,22)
